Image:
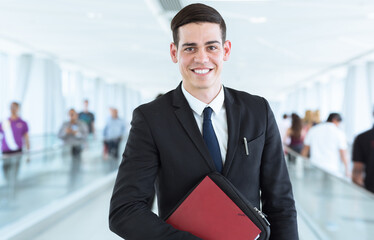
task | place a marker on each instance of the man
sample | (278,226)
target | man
(15,136)
(284,125)
(327,145)
(74,133)
(88,117)
(363,159)
(166,146)
(113,132)
(15,132)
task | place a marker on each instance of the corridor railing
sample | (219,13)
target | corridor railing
(329,207)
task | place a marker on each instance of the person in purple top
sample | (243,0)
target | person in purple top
(14,131)
(15,135)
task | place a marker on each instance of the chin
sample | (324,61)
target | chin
(203,85)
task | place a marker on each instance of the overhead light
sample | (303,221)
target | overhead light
(94,15)
(258,19)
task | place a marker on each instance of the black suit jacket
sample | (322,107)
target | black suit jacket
(166,148)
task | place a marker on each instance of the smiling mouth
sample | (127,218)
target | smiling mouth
(201,71)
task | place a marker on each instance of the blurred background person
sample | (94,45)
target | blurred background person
(327,145)
(311,118)
(307,122)
(15,136)
(74,133)
(14,131)
(316,117)
(363,160)
(88,117)
(114,131)
(284,125)
(295,136)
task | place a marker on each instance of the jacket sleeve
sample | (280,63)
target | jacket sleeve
(62,132)
(82,131)
(276,191)
(130,216)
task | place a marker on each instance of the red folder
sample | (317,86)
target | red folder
(210,214)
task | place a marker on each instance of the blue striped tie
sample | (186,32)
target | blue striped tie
(210,139)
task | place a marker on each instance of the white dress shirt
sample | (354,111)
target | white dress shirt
(219,118)
(325,140)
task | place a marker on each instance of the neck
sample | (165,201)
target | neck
(13,116)
(205,95)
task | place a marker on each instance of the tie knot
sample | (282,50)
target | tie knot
(208,113)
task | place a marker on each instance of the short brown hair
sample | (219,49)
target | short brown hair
(14,103)
(334,116)
(195,13)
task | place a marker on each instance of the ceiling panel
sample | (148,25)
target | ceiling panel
(128,41)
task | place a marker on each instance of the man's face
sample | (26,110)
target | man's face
(114,112)
(200,54)
(73,115)
(86,104)
(14,109)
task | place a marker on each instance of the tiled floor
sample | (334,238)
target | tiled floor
(89,222)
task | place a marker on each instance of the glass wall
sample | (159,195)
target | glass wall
(47,89)
(347,90)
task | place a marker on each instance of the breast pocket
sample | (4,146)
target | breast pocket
(253,148)
(249,164)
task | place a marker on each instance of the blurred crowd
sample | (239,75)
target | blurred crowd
(325,144)
(74,132)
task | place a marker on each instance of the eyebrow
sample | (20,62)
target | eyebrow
(212,42)
(194,44)
(189,44)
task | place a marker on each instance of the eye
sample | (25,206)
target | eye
(189,49)
(212,48)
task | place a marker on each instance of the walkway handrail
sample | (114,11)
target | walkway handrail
(53,148)
(345,181)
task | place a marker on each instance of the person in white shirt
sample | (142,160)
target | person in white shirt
(284,125)
(327,145)
(113,132)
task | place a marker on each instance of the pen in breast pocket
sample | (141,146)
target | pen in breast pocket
(245,146)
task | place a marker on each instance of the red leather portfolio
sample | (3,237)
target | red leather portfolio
(210,214)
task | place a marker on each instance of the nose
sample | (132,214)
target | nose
(201,56)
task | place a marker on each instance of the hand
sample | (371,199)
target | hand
(358,180)
(347,173)
(71,131)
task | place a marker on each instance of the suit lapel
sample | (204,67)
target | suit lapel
(185,116)
(233,125)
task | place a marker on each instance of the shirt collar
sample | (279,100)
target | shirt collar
(199,106)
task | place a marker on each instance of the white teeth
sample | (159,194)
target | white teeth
(201,71)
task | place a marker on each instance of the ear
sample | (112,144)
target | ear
(173,52)
(226,50)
